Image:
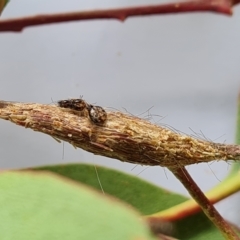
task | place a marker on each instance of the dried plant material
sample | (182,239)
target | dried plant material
(124,137)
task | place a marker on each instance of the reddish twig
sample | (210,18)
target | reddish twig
(217,6)
(184,177)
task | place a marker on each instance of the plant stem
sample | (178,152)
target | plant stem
(217,6)
(121,136)
(210,211)
(190,207)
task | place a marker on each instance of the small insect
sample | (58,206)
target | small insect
(97,114)
(77,104)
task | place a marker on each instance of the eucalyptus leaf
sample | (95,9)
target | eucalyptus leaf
(144,196)
(43,206)
(3,4)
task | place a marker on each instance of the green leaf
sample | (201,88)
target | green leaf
(145,197)
(3,4)
(238,123)
(44,206)
(138,193)
(236,166)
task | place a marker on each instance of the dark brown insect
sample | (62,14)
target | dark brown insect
(77,104)
(97,114)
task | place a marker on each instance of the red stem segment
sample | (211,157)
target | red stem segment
(201,199)
(220,6)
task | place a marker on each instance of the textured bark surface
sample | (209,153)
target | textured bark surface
(124,137)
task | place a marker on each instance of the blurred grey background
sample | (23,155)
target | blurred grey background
(186,67)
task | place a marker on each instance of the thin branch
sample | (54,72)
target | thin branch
(217,6)
(123,137)
(205,204)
